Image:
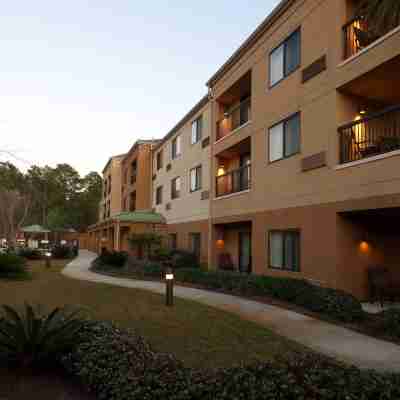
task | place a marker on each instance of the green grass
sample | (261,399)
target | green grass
(201,336)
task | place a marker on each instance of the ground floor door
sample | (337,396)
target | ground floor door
(245,252)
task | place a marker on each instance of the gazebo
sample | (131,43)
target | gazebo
(35,233)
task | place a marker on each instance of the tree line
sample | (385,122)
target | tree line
(57,198)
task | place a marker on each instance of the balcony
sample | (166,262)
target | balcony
(234,181)
(234,118)
(357,36)
(376,134)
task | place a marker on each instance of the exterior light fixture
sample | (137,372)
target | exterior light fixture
(221,170)
(365,246)
(169,294)
(47,256)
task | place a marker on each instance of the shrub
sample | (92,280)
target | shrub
(184,259)
(391,322)
(30,338)
(62,252)
(113,259)
(162,254)
(30,254)
(12,266)
(120,365)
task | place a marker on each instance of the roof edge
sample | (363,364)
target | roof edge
(204,100)
(259,31)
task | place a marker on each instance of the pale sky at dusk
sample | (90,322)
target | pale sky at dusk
(81,80)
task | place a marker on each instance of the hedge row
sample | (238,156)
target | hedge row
(120,365)
(13,267)
(330,302)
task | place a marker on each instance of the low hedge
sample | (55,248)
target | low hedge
(391,322)
(120,365)
(330,302)
(30,254)
(62,252)
(115,259)
(13,266)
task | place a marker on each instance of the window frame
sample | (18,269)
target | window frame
(159,160)
(159,201)
(174,195)
(284,232)
(199,130)
(174,153)
(173,239)
(199,178)
(193,235)
(283,122)
(283,42)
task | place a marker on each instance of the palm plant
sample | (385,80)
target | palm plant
(381,16)
(29,338)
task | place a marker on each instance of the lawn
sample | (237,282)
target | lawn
(201,336)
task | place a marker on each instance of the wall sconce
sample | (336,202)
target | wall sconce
(220,240)
(226,114)
(362,111)
(221,170)
(365,246)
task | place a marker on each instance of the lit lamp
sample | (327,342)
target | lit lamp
(48,259)
(364,246)
(220,240)
(221,170)
(169,283)
(362,111)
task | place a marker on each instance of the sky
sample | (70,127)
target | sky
(81,80)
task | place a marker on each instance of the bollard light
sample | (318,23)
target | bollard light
(169,295)
(48,259)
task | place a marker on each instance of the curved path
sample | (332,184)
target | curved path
(341,343)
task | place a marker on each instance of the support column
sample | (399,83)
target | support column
(117,236)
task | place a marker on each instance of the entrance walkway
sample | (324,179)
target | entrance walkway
(341,343)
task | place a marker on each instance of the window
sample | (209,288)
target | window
(285,59)
(176,147)
(195,244)
(176,188)
(173,240)
(197,128)
(284,138)
(195,179)
(159,195)
(133,172)
(132,202)
(284,250)
(159,160)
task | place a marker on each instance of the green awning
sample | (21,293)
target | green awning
(34,229)
(143,217)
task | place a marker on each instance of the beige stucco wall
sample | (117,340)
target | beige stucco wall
(323,109)
(190,206)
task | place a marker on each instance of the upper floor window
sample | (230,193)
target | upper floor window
(176,188)
(176,147)
(159,191)
(284,250)
(159,160)
(195,178)
(285,58)
(284,138)
(197,128)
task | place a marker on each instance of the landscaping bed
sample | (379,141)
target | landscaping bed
(340,308)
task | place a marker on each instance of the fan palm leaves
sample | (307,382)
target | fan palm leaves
(381,16)
(29,338)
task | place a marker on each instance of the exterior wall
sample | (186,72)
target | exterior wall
(282,195)
(190,206)
(190,212)
(183,231)
(142,153)
(113,169)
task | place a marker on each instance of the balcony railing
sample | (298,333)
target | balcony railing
(376,134)
(234,181)
(357,36)
(235,118)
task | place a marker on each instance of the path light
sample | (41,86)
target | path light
(47,256)
(169,280)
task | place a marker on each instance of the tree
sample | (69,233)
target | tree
(381,16)
(146,241)
(15,201)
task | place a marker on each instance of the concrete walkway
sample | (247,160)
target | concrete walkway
(341,343)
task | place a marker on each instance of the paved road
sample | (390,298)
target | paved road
(341,343)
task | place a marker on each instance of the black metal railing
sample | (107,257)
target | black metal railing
(235,118)
(234,181)
(357,36)
(376,134)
